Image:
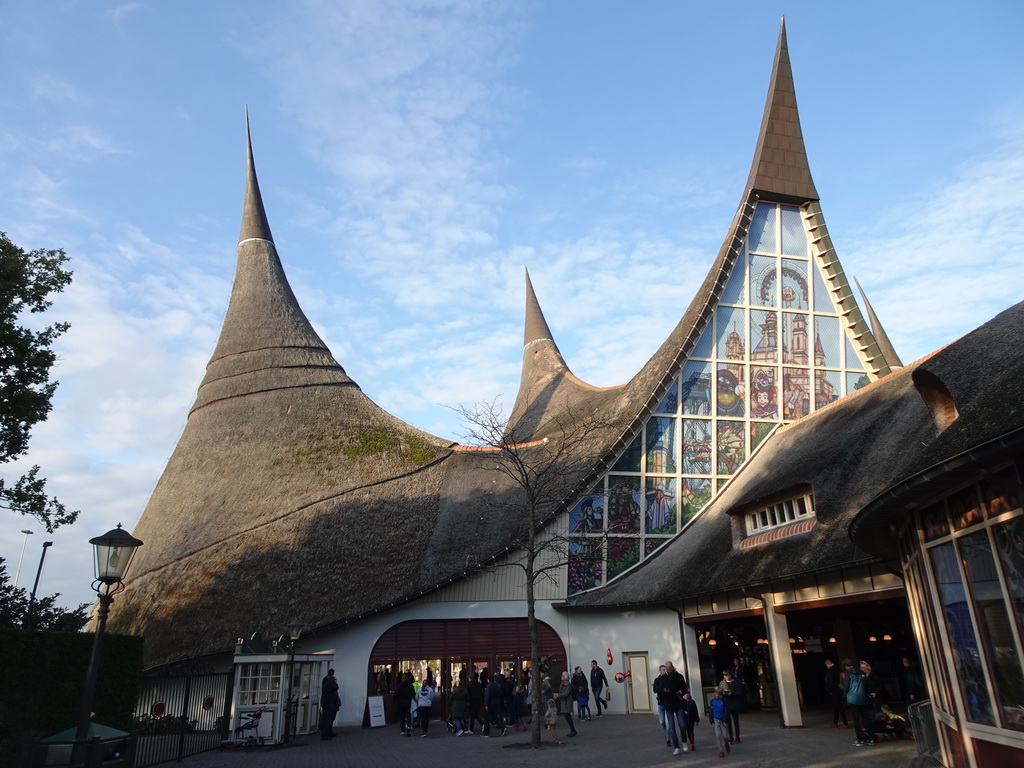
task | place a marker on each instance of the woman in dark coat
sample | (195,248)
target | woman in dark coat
(458,705)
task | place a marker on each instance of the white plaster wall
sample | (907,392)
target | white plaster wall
(585,636)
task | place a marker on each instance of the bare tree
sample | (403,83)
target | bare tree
(545,470)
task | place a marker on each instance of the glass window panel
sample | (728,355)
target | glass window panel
(730,390)
(1002,492)
(826,387)
(660,505)
(629,461)
(764,283)
(623,553)
(758,432)
(696,447)
(764,393)
(826,341)
(763,229)
(963,641)
(996,629)
(588,514)
(934,522)
(661,445)
(855,381)
(652,544)
(822,298)
(696,391)
(1009,540)
(794,237)
(852,359)
(623,504)
(796,392)
(735,289)
(796,348)
(585,564)
(731,446)
(670,402)
(705,344)
(764,336)
(794,285)
(694,493)
(730,330)
(964,508)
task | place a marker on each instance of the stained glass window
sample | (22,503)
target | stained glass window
(775,349)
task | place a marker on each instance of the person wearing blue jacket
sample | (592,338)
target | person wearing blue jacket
(719,719)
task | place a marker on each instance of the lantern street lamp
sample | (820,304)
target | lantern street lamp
(114,551)
(294,631)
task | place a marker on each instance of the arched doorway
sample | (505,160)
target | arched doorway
(444,648)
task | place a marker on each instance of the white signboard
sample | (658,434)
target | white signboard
(376,705)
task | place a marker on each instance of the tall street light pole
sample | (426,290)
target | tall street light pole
(21,559)
(114,551)
(294,631)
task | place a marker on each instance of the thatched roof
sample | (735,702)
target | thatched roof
(848,454)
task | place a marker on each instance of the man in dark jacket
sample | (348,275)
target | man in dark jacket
(670,688)
(598,681)
(835,694)
(330,703)
(406,693)
(476,701)
(494,693)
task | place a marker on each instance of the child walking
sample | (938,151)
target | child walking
(692,718)
(720,720)
(551,718)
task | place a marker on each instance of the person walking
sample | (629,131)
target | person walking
(835,694)
(458,705)
(581,690)
(494,693)
(692,718)
(735,702)
(330,703)
(565,702)
(406,696)
(598,682)
(551,719)
(424,703)
(672,690)
(719,716)
(475,692)
(658,687)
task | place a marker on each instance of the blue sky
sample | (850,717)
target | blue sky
(415,156)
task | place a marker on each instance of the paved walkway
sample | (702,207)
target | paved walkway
(613,741)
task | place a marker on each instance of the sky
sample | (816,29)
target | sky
(415,155)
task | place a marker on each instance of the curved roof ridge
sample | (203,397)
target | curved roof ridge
(780,169)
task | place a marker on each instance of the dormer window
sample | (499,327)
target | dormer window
(780,514)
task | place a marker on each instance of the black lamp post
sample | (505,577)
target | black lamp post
(294,631)
(114,551)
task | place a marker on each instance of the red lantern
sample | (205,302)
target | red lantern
(610,659)
(619,677)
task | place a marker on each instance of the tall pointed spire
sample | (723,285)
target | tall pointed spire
(254,216)
(536,327)
(888,350)
(780,170)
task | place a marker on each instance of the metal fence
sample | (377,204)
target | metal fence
(181,713)
(922,723)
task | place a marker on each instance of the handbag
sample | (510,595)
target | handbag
(606,693)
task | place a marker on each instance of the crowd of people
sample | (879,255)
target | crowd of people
(494,703)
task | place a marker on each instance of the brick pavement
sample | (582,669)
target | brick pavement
(613,741)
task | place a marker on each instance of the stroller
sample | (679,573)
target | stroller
(887,723)
(239,739)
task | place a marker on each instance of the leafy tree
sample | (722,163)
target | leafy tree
(18,610)
(541,475)
(26,356)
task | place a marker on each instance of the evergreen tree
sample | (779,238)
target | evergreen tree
(18,610)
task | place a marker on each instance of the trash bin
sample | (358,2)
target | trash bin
(105,748)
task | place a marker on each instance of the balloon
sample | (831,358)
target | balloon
(610,659)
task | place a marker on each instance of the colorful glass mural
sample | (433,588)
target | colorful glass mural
(775,349)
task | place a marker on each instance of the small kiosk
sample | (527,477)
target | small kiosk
(281,685)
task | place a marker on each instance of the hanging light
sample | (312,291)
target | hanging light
(887,638)
(114,551)
(872,639)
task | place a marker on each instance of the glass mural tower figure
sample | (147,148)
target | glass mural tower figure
(773,335)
